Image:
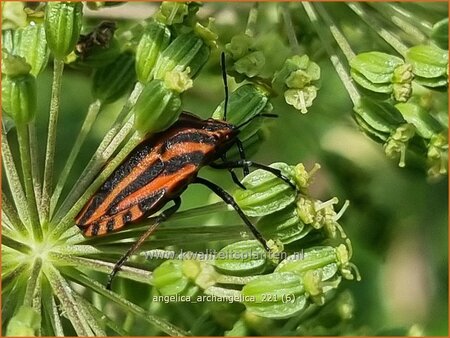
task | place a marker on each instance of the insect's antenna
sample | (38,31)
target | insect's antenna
(225,84)
(254,117)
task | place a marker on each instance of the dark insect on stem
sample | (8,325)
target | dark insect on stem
(101,36)
(158,171)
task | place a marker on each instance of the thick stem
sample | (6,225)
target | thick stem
(91,116)
(25,157)
(32,282)
(58,68)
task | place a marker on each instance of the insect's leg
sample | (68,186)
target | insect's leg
(161,218)
(229,200)
(243,163)
(240,147)
(233,174)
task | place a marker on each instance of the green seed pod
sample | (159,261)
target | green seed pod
(243,258)
(30,43)
(62,26)
(244,103)
(251,64)
(25,323)
(154,40)
(172,12)
(440,33)
(284,225)
(186,51)
(114,80)
(278,295)
(321,258)
(428,61)
(425,123)
(265,193)
(156,108)
(19,98)
(380,116)
(376,67)
(169,278)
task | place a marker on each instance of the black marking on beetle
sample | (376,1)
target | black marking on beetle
(180,161)
(143,179)
(110,225)
(95,228)
(148,203)
(191,137)
(126,218)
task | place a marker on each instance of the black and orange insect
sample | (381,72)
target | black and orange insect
(159,170)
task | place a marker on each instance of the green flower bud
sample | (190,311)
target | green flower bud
(244,103)
(397,143)
(437,155)
(156,108)
(172,12)
(265,193)
(25,323)
(301,99)
(428,61)
(251,64)
(296,80)
(243,258)
(440,33)
(278,295)
(426,125)
(116,79)
(187,50)
(13,15)
(62,26)
(154,40)
(30,43)
(19,98)
(239,46)
(170,280)
(284,225)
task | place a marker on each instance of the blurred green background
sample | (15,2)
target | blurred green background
(397,219)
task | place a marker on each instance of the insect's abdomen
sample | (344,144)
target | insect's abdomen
(157,171)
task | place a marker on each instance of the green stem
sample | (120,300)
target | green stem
(89,120)
(32,282)
(250,29)
(404,20)
(373,23)
(25,156)
(12,176)
(338,64)
(13,216)
(135,274)
(93,320)
(158,322)
(37,183)
(71,308)
(16,245)
(67,220)
(58,68)
(289,27)
(411,18)
(109,144)
(51,309)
